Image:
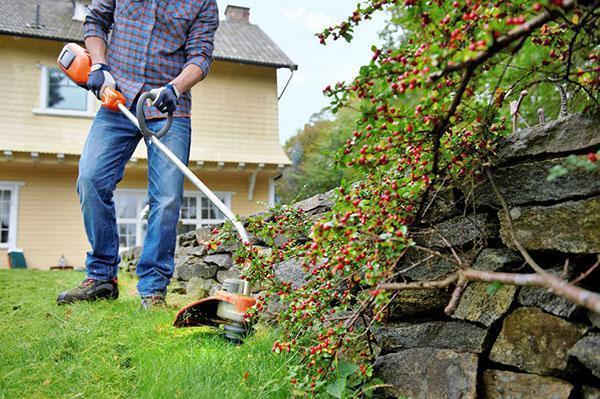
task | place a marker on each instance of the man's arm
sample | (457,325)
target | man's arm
(97,48)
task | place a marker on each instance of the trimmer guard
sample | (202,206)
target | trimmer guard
(204,311)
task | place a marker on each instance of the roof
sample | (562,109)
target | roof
(235,41)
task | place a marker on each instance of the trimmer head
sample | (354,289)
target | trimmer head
(226,307)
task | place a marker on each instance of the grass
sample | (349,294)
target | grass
(114,350)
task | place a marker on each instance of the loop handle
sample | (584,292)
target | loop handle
(141,117)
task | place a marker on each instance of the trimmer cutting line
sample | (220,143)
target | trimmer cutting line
(227,306)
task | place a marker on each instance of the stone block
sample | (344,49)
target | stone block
(497,259)
(319,203)
(223,261)
(425,373)
(290,271)
(223,275)
(536,342)
(454,335)
(192,266)
(540,297)
(479,305)
(415,266)
(527,183)
(200,287)
(498,384)
(419,303)
(459,231)
(572,133)
(587,352)
(571,227)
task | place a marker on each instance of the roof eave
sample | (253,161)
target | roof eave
(291,66)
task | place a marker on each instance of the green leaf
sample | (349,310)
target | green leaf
(493,288)
(337,388)
(346,369)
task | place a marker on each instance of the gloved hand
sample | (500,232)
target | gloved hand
(99,78)
(167,98)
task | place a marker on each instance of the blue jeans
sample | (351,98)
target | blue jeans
(109,146)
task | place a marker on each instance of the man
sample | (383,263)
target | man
(161,45)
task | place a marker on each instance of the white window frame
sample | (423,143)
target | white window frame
(13,221)
(206,222)
(43,101)
(139,221)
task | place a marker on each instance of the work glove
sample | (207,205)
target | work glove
(167,98)
(99,78)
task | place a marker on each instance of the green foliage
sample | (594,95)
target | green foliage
(432,106)
(588,163)
(114,350)
(312,152)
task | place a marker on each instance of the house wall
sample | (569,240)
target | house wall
(235,110)
(49,219)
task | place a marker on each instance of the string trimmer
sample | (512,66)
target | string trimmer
(228,306)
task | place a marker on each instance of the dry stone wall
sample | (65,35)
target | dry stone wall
(502,341)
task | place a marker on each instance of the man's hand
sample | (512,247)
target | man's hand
(167,98)
(99,78)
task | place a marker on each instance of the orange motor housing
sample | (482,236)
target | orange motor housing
(76,63)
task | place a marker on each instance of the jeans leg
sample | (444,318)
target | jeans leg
(165,189)
(109,145)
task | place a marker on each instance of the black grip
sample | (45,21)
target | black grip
(141,117)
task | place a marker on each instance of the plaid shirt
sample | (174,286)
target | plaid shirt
(153,40)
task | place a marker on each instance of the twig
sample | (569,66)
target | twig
(586,273)
(509,224)
(456,295)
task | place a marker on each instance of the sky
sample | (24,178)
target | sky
(292,25)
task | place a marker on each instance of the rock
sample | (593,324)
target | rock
(526,183)
(575,132)
(443,207)
(437,334)
(178,287)
(594,318)
(588,392)
(223,261)
(534,341)
(418,303)
(200,287)
(459,231)
(479,305)
(540,297)
(496,260)
(319,203)
(570,227)
(290,271)
(425,373)
(214,289)
(587,351)
(498,384)
(194,267)
(198,251)
(417,267)
(223,275)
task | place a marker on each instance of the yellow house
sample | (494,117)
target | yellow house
(44,120)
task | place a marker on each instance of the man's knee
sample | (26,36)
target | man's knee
(88,184)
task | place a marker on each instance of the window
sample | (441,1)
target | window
(196,211)
(131,223)
(60,96)
(9,201)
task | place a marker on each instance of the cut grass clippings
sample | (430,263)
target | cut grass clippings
(115,350)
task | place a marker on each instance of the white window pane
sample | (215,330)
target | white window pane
(64,94)
(126,206)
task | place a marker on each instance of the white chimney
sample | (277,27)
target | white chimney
(80,10)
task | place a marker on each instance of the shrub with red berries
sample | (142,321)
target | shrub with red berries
(432,105)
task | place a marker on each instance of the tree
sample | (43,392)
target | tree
(431,107)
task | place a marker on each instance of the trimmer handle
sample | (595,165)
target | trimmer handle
(141,117)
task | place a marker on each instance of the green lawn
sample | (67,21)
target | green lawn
(114,350)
